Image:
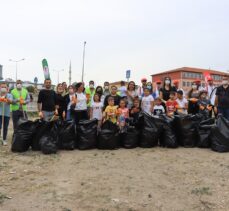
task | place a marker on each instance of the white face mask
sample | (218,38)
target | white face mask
(167,82)
(225,82)
(194,86)
(91,86)
(19,86)
(106,87)
(3,90)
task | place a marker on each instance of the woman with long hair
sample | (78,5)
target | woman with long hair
(193,96)
(81,104)
(60,101)
(131,94)
(166,89)
(99,91)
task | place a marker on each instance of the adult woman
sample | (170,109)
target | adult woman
(99,91)
(60,101)
(166,89)
(70,102)
(131,94)
(81,104)
(192,97)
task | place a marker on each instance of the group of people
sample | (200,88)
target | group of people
(121,104)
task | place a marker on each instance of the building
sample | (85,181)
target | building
(186,75)
(118,83)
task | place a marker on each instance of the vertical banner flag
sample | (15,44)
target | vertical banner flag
(45,69)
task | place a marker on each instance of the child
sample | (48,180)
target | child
(96,110)
(70,103)
(123,115)
(123,90)
(5,100)
(135,110)
(204,104)
(158,109)
(171,104)
(182,107)
(111,111)
(147,102)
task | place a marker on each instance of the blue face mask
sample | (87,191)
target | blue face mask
(149,87)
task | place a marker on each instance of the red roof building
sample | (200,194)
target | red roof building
(186,75)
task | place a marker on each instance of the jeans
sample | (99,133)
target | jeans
(224,112)
(5,127)
(48,115)
(16,115)
(69,115)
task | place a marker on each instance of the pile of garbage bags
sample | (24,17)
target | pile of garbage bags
(149,131)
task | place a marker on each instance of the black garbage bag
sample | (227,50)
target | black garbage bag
(108,137)
(151,128)
(130,138)
(87,134)
(186,128)
(22,136)
(49,140)
(219,136)
(67,136)
(203,139)
(40,128)
(168,136)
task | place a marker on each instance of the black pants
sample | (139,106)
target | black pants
(16,115)
(80,115)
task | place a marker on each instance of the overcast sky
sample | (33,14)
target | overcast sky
(145,36)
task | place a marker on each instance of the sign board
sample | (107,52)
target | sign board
(128,74)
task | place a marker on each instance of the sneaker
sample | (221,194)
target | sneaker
(4,142)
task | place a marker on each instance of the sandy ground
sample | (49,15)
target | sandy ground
(136,179)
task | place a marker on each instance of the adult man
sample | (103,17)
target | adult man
(20,99)
(46,103)
(5,100)
(115,96)
(222,98)
(106,88)
(141,88)
(211,93)
(90,91)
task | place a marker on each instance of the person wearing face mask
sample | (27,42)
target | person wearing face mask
(99,91)
(222,98)
(5,100)
(19,104)
(166,89)
(192,97)
(70,103)
(106,89)
(47,102)
(90,91)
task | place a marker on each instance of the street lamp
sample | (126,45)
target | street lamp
(58,72)
(16,61)
(84,45)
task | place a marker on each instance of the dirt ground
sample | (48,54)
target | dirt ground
(134,179)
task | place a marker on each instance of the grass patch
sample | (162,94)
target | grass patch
(202,191)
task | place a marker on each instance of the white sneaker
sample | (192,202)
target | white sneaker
(4,142)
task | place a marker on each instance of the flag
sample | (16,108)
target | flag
(45,69)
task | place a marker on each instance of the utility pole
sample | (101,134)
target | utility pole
(16,61)
(83,61)
(58,72)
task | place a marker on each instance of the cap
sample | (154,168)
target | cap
(143,79)
(210,79)
(197,81)
(180,92)
(158,82)
(176,82)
